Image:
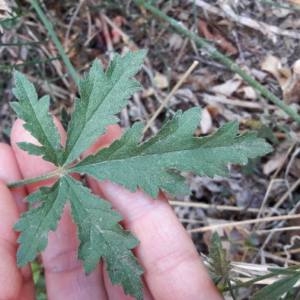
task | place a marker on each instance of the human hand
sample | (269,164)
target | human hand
(173,269)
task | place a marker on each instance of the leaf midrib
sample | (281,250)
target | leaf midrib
(143,155)
(93,111)
(39,123)
(39,227)
(101,232)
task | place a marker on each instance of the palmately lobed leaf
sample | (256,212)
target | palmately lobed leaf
(155,164)
(151,165)
(102,95)
(35,113)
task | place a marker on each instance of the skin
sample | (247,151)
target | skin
(173,269)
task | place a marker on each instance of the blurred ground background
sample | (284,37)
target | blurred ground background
(262,36)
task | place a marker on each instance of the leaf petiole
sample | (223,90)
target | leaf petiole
(56,173)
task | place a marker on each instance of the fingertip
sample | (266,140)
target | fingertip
(9,272)
(113,132)
(9,169)
(20,134)
(10,276)
(8,214)
(10,172)
(31,165)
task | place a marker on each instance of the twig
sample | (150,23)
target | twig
(269,237)
(266,231)
(106,34)
(266,197)
(124,36)
(171,94)
(77,10)
(215,54)
(287,154)
(49,27)
(242,223)
(234,102)
(211,206)
(285,196)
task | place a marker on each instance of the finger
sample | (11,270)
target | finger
(173,269)
(31,165)
(113,132)
(13,285)
(65,278)
(10,172)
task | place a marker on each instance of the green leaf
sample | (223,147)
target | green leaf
(219,264)
(101,236)
(156,163)
(277,289)
(152,165)
(38,122)
(102,95)
(35,224)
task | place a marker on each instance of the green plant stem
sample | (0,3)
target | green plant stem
(23,182)
(19,44)
(49,27)
(293,7)
(226,61)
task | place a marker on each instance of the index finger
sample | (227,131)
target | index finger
(11,279)
(173,268)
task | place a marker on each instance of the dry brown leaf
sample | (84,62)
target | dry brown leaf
(216,37)
(291,91)
(227,88)
(161,81)
(288,79)
(273,65)
(206,121)
(175,41)
(248,92)
(116,35)
(274,163)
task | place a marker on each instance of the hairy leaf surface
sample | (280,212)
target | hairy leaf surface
(35,224)
(102,95)
(101,236)
(35,114)
(151,165)
(155,164)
